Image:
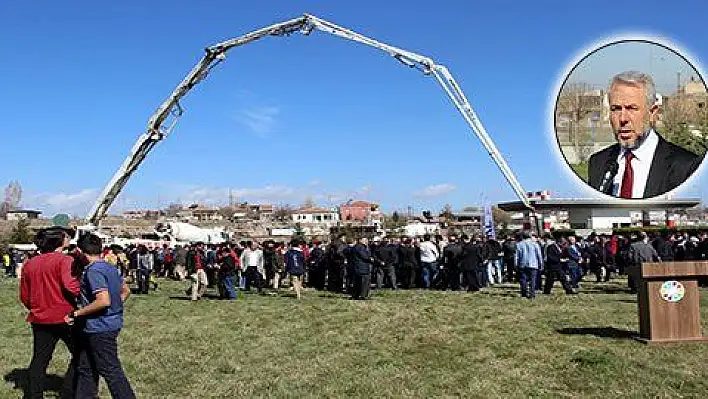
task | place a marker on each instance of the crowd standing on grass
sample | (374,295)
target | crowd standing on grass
(75,293)
(356,265)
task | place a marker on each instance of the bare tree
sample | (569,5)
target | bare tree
(13,196)
(309,202)
(573,108)
(282,212)
(501,217)
(446,212)
(684,121)
(227,212)
(173,209)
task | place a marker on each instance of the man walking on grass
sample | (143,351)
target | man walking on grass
(295,266)
(47,290)
(196,267)
(100,317)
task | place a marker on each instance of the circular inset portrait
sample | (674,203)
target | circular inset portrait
(631,119)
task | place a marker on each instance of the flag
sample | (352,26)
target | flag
(489,222)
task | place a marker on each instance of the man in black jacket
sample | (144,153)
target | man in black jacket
(471,260)
(317,266)
(663,247)
(408,263)
(387,254)
(509,258)
(494,267)
(360,261)
(452,254)
(642,164)
(334,257)
(554,269)
(227,271)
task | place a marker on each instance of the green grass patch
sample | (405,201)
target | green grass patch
(398,344)
(581,169)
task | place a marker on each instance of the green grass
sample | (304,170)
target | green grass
(581,169)
(399,344)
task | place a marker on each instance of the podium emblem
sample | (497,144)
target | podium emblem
(672,291)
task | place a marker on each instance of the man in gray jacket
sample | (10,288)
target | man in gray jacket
(640,251)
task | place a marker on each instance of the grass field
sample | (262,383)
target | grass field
(398,344)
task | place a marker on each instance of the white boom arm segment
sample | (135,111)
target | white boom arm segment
(171,108)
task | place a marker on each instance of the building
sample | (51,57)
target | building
(362,212)
(319,216)
(246,211)
(140,214)
(418,229)
(601,215)
(22,214)
(200,213)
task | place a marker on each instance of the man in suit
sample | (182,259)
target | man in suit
(642,164)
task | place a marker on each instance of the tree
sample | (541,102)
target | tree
(446,212)
(573,107)
(299,234)
(173,209)
(309,202)
(227,212)
(685,123)
(501,217)
(13,197)
(21,233)
(282,212)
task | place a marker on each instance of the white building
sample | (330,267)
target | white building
(420,228)
(317,216)
(602,215)
(21,214)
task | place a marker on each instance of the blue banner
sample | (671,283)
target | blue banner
(489,222)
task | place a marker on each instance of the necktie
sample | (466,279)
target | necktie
(628,177)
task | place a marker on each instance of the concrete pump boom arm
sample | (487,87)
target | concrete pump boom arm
(163,121)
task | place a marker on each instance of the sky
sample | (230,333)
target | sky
(661,63)
(289,118)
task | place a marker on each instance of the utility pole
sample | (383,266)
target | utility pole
(678,82)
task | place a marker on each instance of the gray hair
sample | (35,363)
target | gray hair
(637,79)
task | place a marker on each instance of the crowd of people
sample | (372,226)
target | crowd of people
(75,293)
(354,266)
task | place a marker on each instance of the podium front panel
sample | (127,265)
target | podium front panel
(673,312)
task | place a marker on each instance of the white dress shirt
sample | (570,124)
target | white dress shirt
(641,163)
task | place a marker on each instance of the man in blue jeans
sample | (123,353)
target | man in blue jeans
(529,260)
(103,292)
(429,255)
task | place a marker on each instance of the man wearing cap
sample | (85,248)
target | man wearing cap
(47,290)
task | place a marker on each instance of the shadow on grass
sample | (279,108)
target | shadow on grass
(601,332)
(189,298)
(627,300)
(20,379)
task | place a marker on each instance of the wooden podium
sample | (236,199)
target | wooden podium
(669,309)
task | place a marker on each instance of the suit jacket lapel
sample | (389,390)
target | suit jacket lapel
(611,156)
(657,171)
